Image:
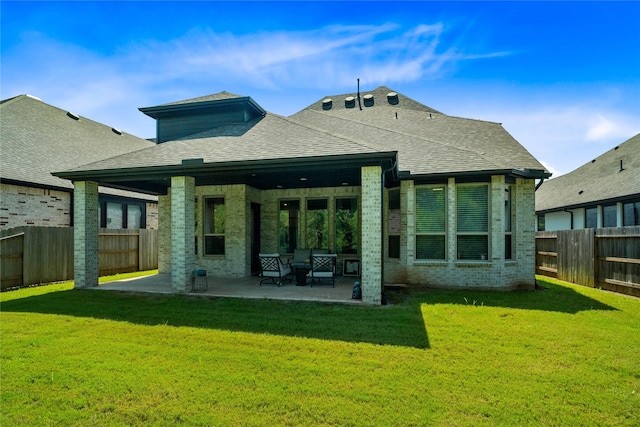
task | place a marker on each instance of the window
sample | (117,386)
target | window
(114,215)
(591,218)
(134,216)
(431,220)
(214,219)
(317,224)
(541,222)
(118,213)
(610,216)
(289,226)
(347,226)
(393,225)
(631,214)
(472,213)
(508,235)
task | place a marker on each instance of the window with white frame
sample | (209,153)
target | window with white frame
(431,222)
(214,226)
(472,220)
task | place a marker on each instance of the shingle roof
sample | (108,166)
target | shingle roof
(599,180)
(213,97)
(261,138)
(37,138)
(428,142)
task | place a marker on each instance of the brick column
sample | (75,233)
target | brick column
(371,245)
(182,232)
(496,227)
(85,234)
(164,234)
(524,232)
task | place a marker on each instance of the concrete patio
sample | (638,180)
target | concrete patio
(248,287)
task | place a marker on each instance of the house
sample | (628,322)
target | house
(604,192)
(409,193)
(37,139)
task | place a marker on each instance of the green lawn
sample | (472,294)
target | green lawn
(565,356)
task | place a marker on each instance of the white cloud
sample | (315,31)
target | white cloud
(109,87)
(611,126)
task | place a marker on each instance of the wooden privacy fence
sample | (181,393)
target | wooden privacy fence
(607,258)
(32,255)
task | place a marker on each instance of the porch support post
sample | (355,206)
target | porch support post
(371,245)
(497,231)
(182,232)
(85,233)
(164,234)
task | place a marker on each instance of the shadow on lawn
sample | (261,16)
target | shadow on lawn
(549,297)
(400,325)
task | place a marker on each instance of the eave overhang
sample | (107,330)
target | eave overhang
(477,175)
(186,108)
(305,172)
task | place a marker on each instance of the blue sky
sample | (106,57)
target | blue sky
(562,77)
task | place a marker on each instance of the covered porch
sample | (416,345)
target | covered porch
(244,287)
(247,231)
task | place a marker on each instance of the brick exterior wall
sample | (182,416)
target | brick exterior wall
(152,216)
(496,272)
(30,206)
(20,206)
(85,234)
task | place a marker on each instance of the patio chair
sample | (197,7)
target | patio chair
(323,267)
(274,271)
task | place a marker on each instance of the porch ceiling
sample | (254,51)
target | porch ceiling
(329,171)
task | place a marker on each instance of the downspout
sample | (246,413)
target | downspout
(571,214)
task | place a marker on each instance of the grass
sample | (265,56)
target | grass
(567,355)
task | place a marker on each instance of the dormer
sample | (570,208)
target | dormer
(180,119)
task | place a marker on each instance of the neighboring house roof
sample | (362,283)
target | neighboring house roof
(37,138)
(389,129)
(612,176)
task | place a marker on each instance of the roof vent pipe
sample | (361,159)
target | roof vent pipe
(359,104)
